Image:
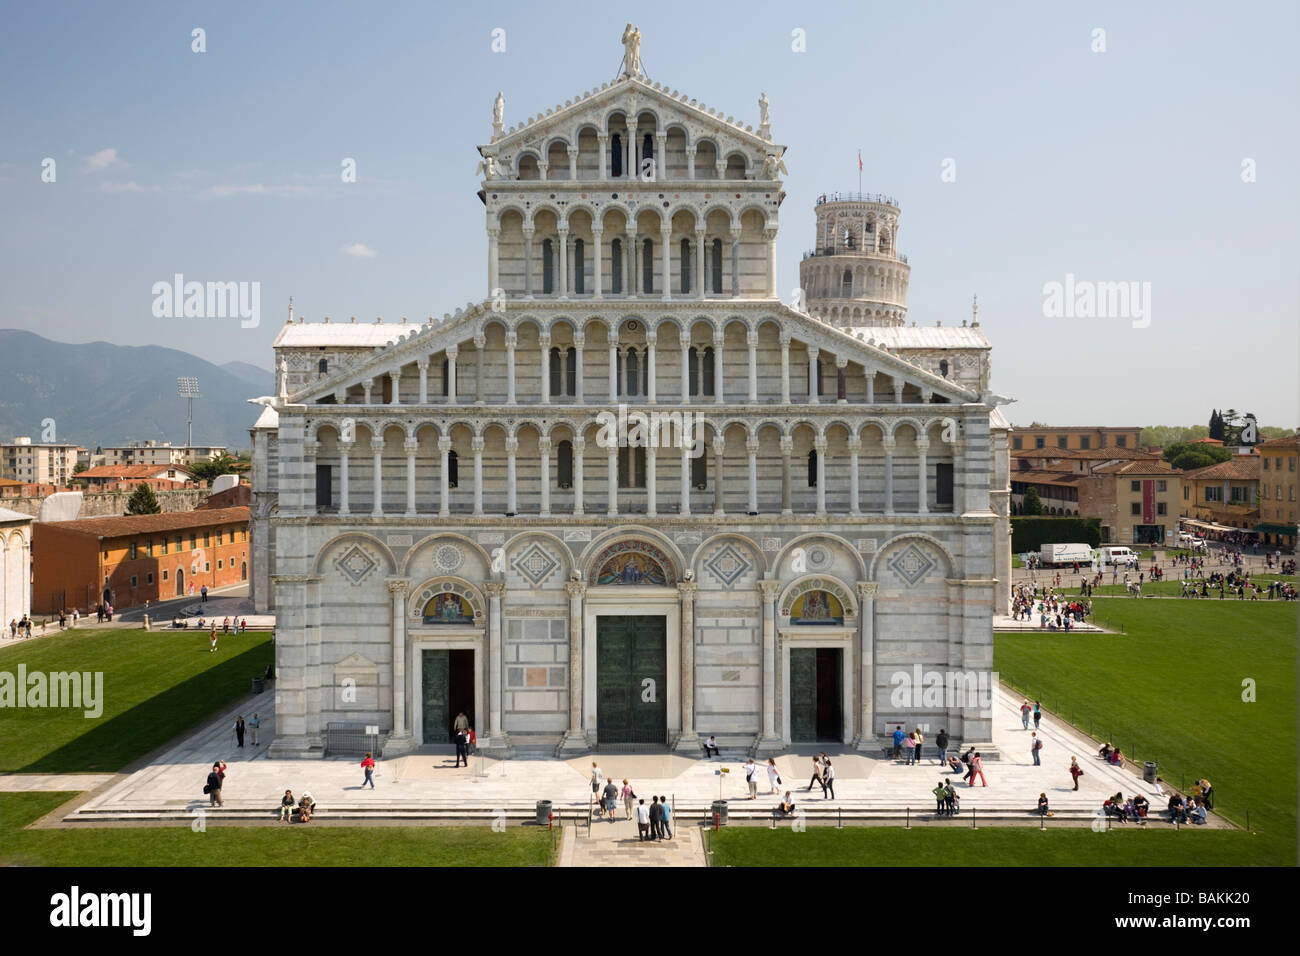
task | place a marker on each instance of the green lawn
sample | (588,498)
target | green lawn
(285,845)
(1172,587)
(988,846)
(156,685)
(1170,689)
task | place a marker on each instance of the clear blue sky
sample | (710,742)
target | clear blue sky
(1122,165)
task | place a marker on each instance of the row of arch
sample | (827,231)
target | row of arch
(837,281)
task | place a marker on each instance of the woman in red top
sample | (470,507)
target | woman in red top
(368,765)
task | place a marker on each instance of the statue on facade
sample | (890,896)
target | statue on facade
(764,119)
(631,51)
(499,110)
(771,166)
(488,168)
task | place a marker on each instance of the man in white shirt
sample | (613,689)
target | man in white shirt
(642,820)
(751,777)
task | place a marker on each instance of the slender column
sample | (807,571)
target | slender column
(770,236)
(649,371)
(411,446)
(494,591)
(309,450)
(686,592)
(735,263)
(578,342)
(814,363)
(898,390)
(544,343)
(480,347)
(477,444)
(602,141)
(494,280)
(528,261)
(612,480)
(573,162)
(571,254)
(751,446)
(719,340)
(855,449)
(888,442)
(512,340)
(787,449)
(512,449)
(820,444)
(622,364)
(576,590)
(543,168)
(377,451)
(397,590)
(769,591)
(367,387)
(665,243)
(632,168)
(452,352)
(690,162)
(751,339)
(684,507)
(444,479)
(423,365)
(544,448)
(870,375)
(785,369)
(651,479)
(629,264)
(923,491)
(396,378)
(578,446)
(686,369)
(841,387)
(597,266)
(866,655)
(719,447)
(661,154)
(699,264)
(613,369)
(562,273)
(344,448)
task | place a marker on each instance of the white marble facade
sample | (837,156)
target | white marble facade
(864,462)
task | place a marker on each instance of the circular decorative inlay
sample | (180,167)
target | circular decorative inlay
(448,557)
(819,557)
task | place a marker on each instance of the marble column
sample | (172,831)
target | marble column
(309,450)
(751,446)
(651,479)
(399,740)
(719,447)
(700,272)
(650,340)
(452,352)
(422,364)
(665,257)
(751,339)
(866,740)
(544,345)
(477,444)
(785,369)
(444,479)
(494,589)
(787,449)
(396,390)
(688,741)
(480,348)
(870,376)
(888,443)
(602,143)
(562,270)
(367,387)
(855,449)
(597,266)
(613,369)
(544,448)
(841,386)
(528,261)
(574,737)
(512,340)
(612,480)
(770,236)
(377,453)
(768,592)
(735,263)
(820,445)
(684,507)
(410,446)
(814,365)
(690,162)
(898,390)
(686,368)
(719,341)
(512,450)
(922,477)
(573,162)
(578,342)
(579,445)
(494,280)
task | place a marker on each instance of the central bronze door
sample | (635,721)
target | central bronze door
(631,680)
(816,694)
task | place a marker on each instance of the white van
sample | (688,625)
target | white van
(1117,555)
(1191,542)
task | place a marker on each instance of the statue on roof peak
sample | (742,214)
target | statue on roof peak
(631,51)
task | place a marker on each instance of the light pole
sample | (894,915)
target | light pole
(188,388)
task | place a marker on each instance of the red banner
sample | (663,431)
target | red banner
(1149,502)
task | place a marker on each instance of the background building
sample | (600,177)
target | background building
(1225,494)
(1137,501)
(154,453)
(15,566)
(48,463)
(1078,438)
(1277,491)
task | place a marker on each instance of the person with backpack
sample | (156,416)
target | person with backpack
(1035,745)
(751,778)
(213,787)
(1075,771)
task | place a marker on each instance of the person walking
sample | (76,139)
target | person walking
(977,768)
(1035,745)
(1025,711)
(204,592)
(629,800)
(656,819)
(643,821)
(828,779)
(1038,713)
(751,777)
(941,741)
(773,775)
(611,800)
(239,730)
(462,747)
(212,639)
(253,726)
(665,818)
(597,781)
(1075,771)
(460,723)
(817,773)
(368,765)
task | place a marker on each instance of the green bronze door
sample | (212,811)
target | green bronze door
(803,694)
(631,680)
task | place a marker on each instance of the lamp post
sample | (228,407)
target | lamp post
(188,388)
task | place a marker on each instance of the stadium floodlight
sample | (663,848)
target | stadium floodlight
(188,389)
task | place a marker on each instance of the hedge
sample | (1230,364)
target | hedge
(1031,533)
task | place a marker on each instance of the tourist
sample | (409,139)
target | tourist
(957,767)
(919,739)
(940,799)
(1038,708)
(751,777)
(665,818)
(909,745)
(253,726)
(711,747)
(629,800)
(368,765)
(305,807)
(462,748)
(1160,786)
(1042,805)
(460,723)
(216,779)
(1104,752)
(898,744)
(1025,711)
(1075,771)
(828,778)
(225,625)
(596,778)
(1035,745)
(286,807)
(243,625)
(977,769)
(1140,805)
(773,775)
(611,799)
(952,801)
(783,809)
(204,591)
(239,731)
(212,639)
(655,819)
(1197,812)
(817,773)
(941,741)
(968,759)
(643,821)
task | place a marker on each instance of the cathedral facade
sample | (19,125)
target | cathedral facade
(630,498)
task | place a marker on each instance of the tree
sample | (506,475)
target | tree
(1033,504)
(210,469)
(1185,456)
(1216,425)
(143,502)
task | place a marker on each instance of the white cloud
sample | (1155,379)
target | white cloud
(255,189)
(103,160)
(131,187)
(360,250)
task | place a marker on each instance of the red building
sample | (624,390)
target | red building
(130,559)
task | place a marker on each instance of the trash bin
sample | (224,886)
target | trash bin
(257,685)
(1149,771)
(719,812)
(543,812)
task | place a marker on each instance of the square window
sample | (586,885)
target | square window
(134,580)
(1017,442)
(1062,441)
(1085,441)
(1121,441)
(1135,508)
(148,578)
(1162,485)
(1135,486)
(1160,508)
(1040,442)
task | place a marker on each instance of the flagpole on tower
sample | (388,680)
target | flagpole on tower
(859,170)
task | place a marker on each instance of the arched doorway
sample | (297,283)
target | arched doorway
(243,570)
(180,582)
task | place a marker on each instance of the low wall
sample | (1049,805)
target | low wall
(111,503)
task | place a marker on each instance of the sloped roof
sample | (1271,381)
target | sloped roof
(1239,467)
(925,337)
(1277,444)
(122,525)
(340,334)
(1157,466)
(7,516)
(130,471)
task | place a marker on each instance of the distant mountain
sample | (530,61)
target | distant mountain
(263,381)
(102,394)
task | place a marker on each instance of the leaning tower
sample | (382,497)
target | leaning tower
(854,276)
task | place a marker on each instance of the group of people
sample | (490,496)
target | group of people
(20,628)
(242,726)
(968,766)
(823,775)
(946,801)
(1055,611)
(908,746)
(304,807)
